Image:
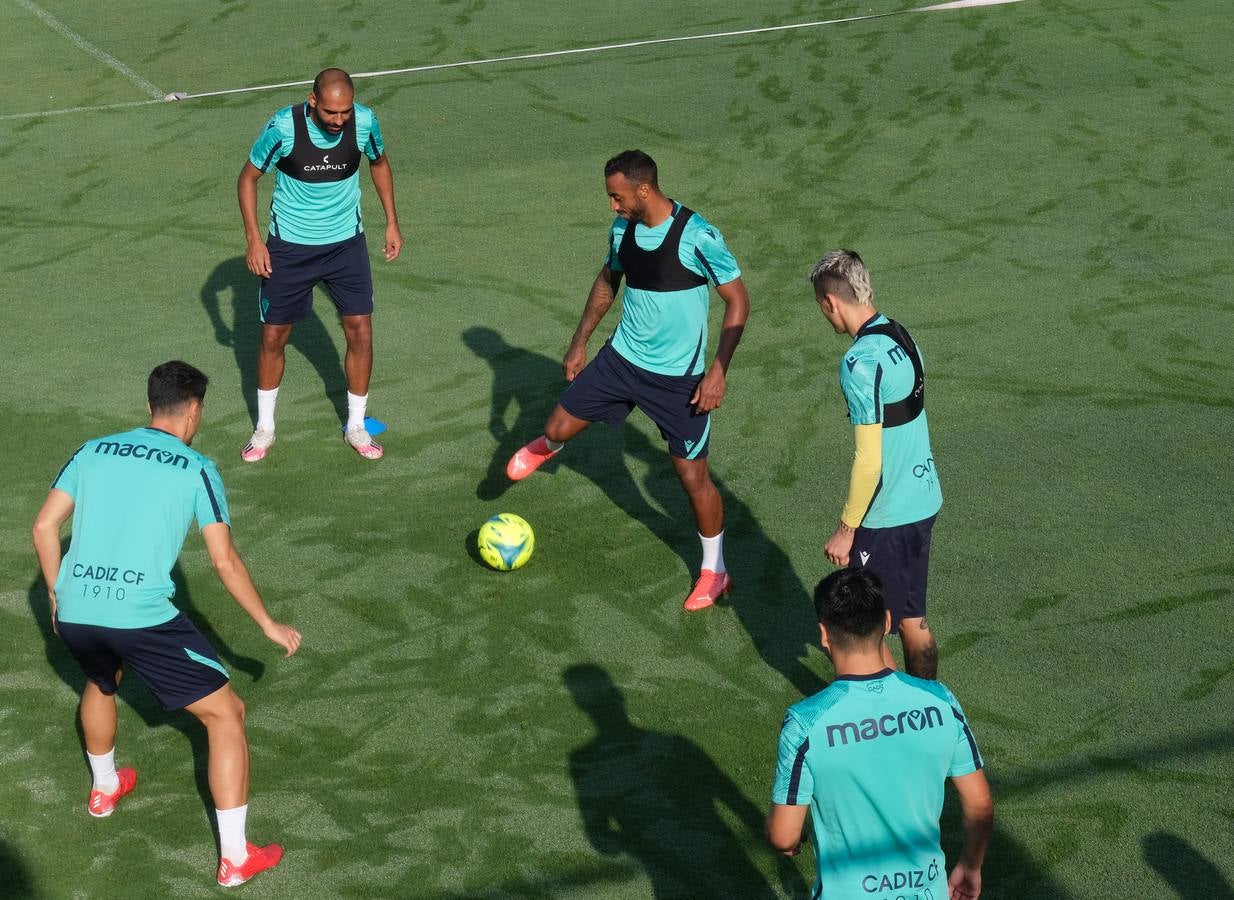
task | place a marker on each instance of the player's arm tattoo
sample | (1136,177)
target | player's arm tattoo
(923,663)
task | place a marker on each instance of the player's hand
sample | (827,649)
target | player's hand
(51,600)
(964,883)
(394,242)
(840,545)
(575,359)
(283,635)
(710,391)
(258,259)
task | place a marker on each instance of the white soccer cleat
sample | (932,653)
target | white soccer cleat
(362,442)
(257,446)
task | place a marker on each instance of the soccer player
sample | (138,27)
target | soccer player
(316,235)
(132,497)
(893,495)
(867,758)
(655,359)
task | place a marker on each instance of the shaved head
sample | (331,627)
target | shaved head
(332,102)
(331,79)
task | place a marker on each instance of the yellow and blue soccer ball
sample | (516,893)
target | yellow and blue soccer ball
(506,541)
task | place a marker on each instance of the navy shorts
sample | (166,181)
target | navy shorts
(287,295)
(173,659)
(900,557)
(610,386)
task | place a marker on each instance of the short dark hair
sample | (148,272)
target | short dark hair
(328,78)
(850,603)
(173,384)
(635,165)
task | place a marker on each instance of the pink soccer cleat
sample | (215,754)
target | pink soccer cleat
(257,446)
(362,442)
(709,586)
(102,805)
(530,458)
(259,859)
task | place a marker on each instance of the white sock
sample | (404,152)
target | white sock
(265,408)
(713,552)
(104,769)
(356,406)
(232,844)
(554,445)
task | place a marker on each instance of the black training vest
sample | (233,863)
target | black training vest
(902,411)
(308,162)
(659,269)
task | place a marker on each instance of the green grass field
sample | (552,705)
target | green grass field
(1042,192)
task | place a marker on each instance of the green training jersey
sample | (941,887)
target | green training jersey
(305,212)
(870,755)
(875,373)
(666,331)
(134,496)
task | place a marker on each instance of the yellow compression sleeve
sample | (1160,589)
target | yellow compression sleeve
(867,469)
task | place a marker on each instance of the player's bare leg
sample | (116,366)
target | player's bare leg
(98,725)
(713,580)
(358,364)
(98,719)
(560,428)
(704,496)
(271,360)
(222,713)
(920,650)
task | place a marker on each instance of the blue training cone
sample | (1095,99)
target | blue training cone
(371,425)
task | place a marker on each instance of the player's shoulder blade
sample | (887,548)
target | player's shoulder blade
(933,688)
(813,709)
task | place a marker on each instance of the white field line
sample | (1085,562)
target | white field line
(77,109)
(82,44)
(955,4)
(958,4)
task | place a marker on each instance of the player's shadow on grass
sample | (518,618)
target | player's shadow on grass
(774,607)
(1191,875)
(231,281)
(14,877)
(131,689)
(655,797)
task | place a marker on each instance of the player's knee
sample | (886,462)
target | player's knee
(274,339)
(695,478)
(561,426)
(359,332)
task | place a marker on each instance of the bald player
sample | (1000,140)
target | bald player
(316,236)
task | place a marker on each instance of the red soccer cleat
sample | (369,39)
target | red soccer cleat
(709,586)
(529,459)
(102,805)
(259,859)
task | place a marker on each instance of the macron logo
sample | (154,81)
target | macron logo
(885,726)
(865,557)
(852,363)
